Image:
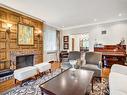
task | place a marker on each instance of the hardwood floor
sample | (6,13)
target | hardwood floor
(7,85)
(105,72)
(10,83)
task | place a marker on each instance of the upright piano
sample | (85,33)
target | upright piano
(112,54)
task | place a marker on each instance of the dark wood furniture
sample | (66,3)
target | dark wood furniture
(68,84)
(112,54)
(55,64)
(63,54)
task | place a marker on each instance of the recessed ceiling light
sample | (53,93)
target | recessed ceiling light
(95,19)
(120,14)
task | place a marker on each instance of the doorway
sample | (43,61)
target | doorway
(73,44)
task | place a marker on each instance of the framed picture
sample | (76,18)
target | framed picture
(66,38)
(66,46)
(103,32)
(25,35)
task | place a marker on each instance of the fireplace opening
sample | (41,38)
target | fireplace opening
(24,61)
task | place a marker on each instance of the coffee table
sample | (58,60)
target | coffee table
(68,83)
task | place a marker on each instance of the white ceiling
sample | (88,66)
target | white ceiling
(71,13)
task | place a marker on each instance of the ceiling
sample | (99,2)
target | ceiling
(67,14)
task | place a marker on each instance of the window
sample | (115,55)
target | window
(50,41)
(86,41)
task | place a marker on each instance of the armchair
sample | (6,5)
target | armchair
(93,62)
(75,56)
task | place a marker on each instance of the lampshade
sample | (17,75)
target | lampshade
(9,25)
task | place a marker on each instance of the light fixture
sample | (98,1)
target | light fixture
(119,14)
(63,26)
(38,33)
(9,25)
(95,19)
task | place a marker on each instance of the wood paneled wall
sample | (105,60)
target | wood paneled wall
(8,42)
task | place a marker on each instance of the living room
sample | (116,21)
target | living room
(63,47)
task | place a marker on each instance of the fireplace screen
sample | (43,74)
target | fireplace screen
(24,61)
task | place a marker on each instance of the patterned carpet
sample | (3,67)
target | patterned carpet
(32,87)
(100,88)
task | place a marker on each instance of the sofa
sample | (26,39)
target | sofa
(118,80)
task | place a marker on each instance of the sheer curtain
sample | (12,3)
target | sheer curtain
(50,41)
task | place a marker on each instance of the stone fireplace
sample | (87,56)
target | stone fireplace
(22,59)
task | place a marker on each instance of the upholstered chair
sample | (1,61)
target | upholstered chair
(93,62)
(75,55)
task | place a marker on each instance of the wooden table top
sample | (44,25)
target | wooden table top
(69,84)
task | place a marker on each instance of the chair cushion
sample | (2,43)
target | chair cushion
(43,66)
(24,73)
(6,72)
(91,67)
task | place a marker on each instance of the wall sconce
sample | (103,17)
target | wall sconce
(38,33)
(9,25)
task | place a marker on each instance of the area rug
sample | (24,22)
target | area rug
(100,88)
(32,87)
